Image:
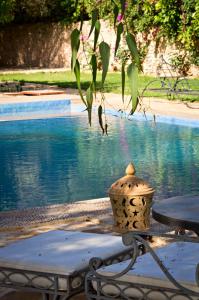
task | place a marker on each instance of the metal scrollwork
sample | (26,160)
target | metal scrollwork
(98,261)
(120,289)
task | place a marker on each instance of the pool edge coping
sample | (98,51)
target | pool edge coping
(171,116)
(45,214)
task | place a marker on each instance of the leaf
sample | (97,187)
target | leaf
(89,96)
(94,70)
(122,3)
(132,72)
(119,32)
(81,24)
(74,46)
(76,4)
(96,33)
(77,75)
(89,111)
(100,118)
(104,49)
(94,19)
(116,12)
(133,48)
(123,80)
(113,1)
(89,100)
(106,129)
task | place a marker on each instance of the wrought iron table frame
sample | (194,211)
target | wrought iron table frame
(134,239)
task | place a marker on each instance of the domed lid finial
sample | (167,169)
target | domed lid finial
(130,184)
(130,170)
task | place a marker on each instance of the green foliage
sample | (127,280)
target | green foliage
(94,70)
(23,11)
(132,72)
(100,112)
(123,80)
(181,63)
(104,49)
(120,29)
(77,76)
(130,39)
(89,101)
(170,19)
(132,64)
(75,42)
(94,20)
(176,20)
(6,11)
(96,34)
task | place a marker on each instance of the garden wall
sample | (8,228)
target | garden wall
(47,45)
(35,45)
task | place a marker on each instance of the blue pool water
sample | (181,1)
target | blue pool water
(61,160)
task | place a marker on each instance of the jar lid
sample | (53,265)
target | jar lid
(131,184)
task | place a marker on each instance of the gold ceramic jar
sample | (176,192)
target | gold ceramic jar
(131,200)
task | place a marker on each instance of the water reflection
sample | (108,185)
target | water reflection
(62,160)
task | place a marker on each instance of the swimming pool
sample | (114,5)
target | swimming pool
(51,161)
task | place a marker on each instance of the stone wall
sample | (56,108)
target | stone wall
(35,45)
(47,45)
(153,59)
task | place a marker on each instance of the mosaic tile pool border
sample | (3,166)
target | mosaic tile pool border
(138,116)
(35,107)
(61,107)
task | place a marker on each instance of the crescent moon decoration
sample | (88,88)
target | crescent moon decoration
(131,202)
(134,224)
(127,224)
(126,216)
(143,202)
(123,202)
